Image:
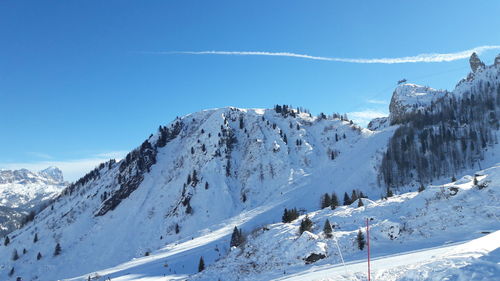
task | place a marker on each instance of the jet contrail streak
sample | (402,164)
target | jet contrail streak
(434,57)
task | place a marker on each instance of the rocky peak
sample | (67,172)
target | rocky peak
(497,60)
(409,98)
(53,173)
(23,176)
(475,62)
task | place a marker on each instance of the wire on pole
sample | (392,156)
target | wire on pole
(340,252)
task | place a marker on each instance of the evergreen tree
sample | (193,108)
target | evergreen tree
(421,188)
(206,185)
(57,250)
(237,238)
(347,200)
(326,201)
(360,238)
(24,251)
(201,265)
(354,196)
(453,179)
(11,272)
(15,256)
(189,209)
(327,229)
(242,125)
(194,178)
(389,192)
(39,256)
(335,201)
(475,181)
(305,225)
(360,203)
(177,228)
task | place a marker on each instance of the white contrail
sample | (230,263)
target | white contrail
(411,59)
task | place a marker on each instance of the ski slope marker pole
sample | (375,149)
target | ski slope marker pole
(368,246)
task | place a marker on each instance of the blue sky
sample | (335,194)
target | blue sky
(81,81)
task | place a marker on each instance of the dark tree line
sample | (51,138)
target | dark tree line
(332,201)
(289,215)
(136,164)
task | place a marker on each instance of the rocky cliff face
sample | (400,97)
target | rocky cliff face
(475,63)
(497,60)
(408,99)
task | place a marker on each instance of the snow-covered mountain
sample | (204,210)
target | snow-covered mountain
(22,191)
(439,215)
(179,195)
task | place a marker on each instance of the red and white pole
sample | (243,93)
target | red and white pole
(368,246)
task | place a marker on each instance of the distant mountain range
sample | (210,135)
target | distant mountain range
(23,191)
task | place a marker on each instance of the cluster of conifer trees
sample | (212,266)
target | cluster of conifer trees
(15,254)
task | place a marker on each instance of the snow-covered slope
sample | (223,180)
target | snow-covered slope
(22,191)
(178,196)
(431,235)
(441,214)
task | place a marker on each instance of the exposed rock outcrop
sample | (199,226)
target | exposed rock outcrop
(409,98)
(312,258)
(475,63)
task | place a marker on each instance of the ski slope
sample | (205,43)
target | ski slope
(415,265)
(422,263)
(414,236)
